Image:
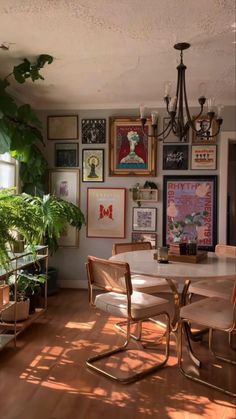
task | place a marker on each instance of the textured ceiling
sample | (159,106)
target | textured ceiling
(119,53)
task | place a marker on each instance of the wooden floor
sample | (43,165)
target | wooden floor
(46,376)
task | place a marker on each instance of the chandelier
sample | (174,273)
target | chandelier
(177,108)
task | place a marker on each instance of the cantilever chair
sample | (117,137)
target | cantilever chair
(120,300)
(220,287)
(216,314)
(142,283)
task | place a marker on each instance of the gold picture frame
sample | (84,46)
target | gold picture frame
(131,152)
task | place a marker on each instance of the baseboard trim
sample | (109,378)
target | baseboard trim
(63,283)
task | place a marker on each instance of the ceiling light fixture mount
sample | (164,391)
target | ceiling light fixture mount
(178,109)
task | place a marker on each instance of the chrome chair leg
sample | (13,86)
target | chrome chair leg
(190,376)
(216,355)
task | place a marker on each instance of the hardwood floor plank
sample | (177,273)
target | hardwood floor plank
(46,377)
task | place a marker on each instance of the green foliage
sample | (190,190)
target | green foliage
(35,219)
(27,284)
(19,125)
(33,173)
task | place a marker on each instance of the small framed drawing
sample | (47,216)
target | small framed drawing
(171,137)
(66,154)
(62,127)
(203,122)
(175,157)
(204,157)
(144,219)
(145,237)
(93,165)
(106,212)
(64,183)
(132,152)
(93,131)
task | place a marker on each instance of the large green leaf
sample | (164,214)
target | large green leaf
(26,114)
(7,104)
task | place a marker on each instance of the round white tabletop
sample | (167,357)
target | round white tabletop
(143,262)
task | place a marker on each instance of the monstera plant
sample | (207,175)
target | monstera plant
(35,219)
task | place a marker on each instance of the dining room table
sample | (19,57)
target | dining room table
(213,266)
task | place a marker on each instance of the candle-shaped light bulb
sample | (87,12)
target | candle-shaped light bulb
(167,88)
(220,108)
(211,104)
(142,109)
(202,89)
(154,116)
(173,104)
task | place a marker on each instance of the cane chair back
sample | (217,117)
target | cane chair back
(224,249)
(130,247)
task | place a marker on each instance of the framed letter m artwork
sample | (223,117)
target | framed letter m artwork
(106,212)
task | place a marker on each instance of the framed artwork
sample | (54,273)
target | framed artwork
(204,157)
(62,127)
(203,122)
(172,138)
(93,131)
(144,219)
(106,212)
(175,157)
(93,165)
(64,183)
(145,237)
(132,153)
(183,197)
(66,154)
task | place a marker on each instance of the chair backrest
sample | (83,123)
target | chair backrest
(224,249)
(109,275)
(130,247)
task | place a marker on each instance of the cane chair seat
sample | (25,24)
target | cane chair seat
(211,312)
(142,305)
(119,299)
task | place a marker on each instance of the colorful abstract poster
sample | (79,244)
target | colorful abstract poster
(184,197)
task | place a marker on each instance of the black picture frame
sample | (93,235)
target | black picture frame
(183,195)
(93,131)
(175,157)
(66,155)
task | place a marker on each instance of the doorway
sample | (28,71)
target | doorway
(231,198)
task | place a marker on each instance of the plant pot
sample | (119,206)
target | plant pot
(52,280)
(22,312)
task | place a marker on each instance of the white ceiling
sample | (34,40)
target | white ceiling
(119,53)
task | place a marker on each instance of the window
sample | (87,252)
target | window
(8,171)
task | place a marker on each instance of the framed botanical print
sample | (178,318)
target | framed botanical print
(175,157)
(204,157)
(132,152)
(66,154)
(190,210)
(64,183)
(144,219)
(171,137)
(145,237)
(106,212)
(203,138)
(93,165)
(62,127)
(93,131)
